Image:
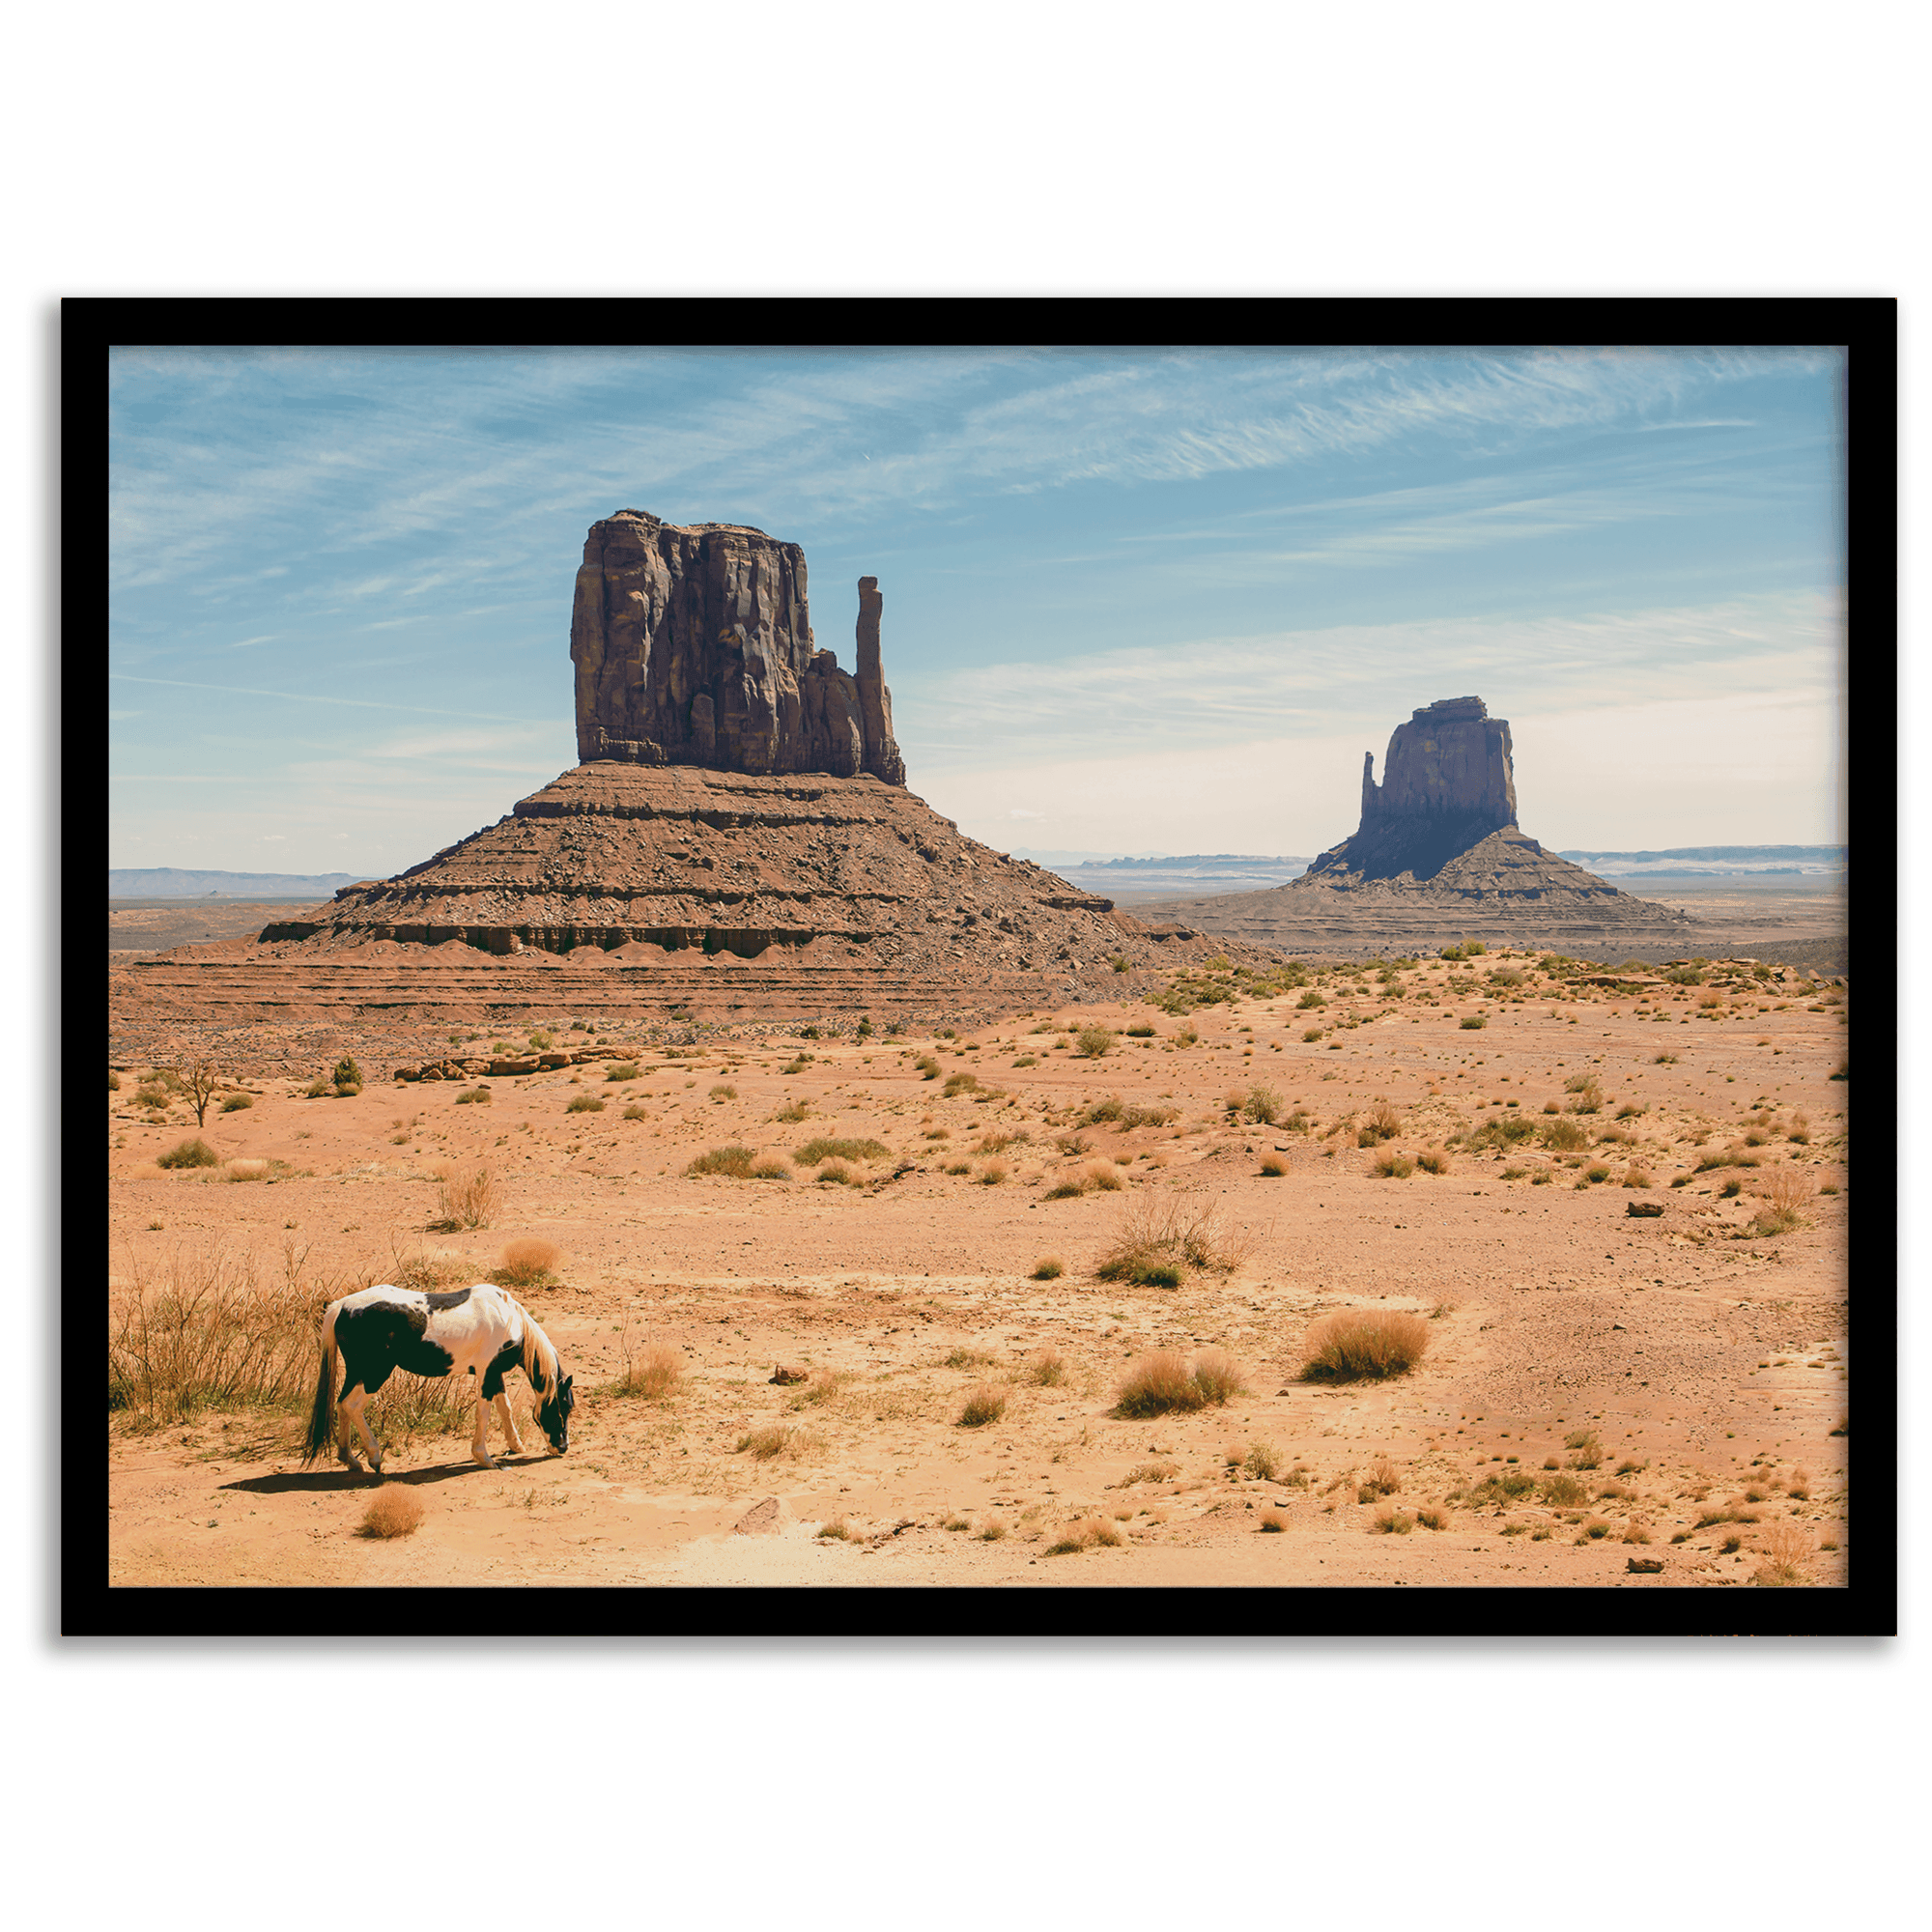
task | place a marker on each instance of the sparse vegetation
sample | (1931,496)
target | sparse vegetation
(465,1197)
(529,1262)
(194,1152)
(624,1070)
(586,1103)
(830,1147)
(651,1369)
(1162,1384)
(1049,1267)
(394,1511)
(1160,1237)
(733,1162)
(987,1402)
(472,1096)
(1046,1368)
(1094,1042)
(1354,1343)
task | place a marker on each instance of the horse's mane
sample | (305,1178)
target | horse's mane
(540,1358)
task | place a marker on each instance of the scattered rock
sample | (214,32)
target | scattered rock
(783,1378)
(760,1520)
(1643,1211)
(1644,1565)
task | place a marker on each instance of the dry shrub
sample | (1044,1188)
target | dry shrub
(1093,1042)
(1636,1176)
(1261,1463)
(987,1402)
(474,1096)
(1389,1165)
(527,1263)
(1273,1166)
(205,1331)
(1588,1447)
(1088,1533)
(194,1152)
(1392,1521)
(733,1162)
(837,1530)
(1433,1518)
(1363,1342)
(466,1198)
(1049,1267)
(992,1173)
(1216,1377)
(651,1369)
(1784,1192)
(1562,1492)
(771,1167)
(394,1511)
(586,1103)
(1161,1383)
(633,1112)
(762,1444)
(1047,1369)
(836,1173)
(1160,1237)
(244,1169)
(1433,1160)
(1786,1549)
(1383,1121)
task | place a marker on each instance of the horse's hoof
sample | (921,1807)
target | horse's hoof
(487,1461)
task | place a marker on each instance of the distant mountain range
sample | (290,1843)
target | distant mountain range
(1703,860)
(171,882)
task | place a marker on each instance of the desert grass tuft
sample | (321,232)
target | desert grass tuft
(1161,1383)
(529,1262)
(466,1198)
(1160,1238)
(1049,1267)
(1786,1549)
(986,1404)
(394,1511)
(733,1162)
(194,1152)
(1355,1343)
(1047,1369)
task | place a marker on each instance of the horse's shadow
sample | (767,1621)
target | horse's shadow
(320,1480)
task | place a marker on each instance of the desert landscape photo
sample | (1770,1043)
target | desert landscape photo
(978,969)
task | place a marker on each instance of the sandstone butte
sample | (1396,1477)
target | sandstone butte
(737,844)
(1438,859)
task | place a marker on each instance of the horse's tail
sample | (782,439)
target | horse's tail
(322,1412)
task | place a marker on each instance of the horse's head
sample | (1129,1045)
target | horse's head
(554,1415)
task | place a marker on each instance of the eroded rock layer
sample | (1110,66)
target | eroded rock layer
(626,888)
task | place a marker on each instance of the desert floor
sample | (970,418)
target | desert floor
(1707,1362)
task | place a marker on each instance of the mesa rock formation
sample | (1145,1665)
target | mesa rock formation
(693,645)
(738,844)
(1436,859)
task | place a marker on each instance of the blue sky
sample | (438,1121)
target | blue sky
(1135,601)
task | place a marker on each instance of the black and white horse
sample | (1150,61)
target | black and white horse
(479,1331)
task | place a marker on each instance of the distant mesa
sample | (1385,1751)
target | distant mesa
(1438,857)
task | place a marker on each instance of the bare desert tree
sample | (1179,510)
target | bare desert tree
(198,1081)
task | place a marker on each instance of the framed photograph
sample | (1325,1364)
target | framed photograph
(986,967)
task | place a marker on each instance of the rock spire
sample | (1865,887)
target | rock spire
(693,645)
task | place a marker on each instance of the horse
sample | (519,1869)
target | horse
(478,1330)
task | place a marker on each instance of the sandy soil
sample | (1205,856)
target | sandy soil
(1708,1364)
